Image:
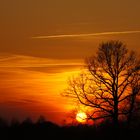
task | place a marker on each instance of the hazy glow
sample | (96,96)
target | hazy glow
(43,42)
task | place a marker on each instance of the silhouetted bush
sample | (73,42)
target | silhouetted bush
(46,130)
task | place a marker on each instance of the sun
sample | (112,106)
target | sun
(81,117)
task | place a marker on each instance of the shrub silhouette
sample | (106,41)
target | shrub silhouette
(43,129)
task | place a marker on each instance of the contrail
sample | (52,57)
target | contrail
(84,35)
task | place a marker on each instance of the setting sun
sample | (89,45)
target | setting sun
(81,117)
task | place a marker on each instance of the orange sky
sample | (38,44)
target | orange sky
(43,42)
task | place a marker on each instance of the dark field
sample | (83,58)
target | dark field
(45,130)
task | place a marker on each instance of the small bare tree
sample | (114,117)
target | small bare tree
(133,100)
(110,85)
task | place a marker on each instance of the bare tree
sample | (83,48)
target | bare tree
(133,100)
(108,87)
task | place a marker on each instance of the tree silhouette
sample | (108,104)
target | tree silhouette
(110,85)
(133,101)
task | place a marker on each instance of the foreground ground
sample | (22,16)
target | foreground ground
(45,130)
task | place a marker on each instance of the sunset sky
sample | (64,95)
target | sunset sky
(43,42)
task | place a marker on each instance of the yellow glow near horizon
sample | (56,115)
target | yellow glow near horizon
(35,85)
(81,117)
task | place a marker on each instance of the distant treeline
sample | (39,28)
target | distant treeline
(46,130)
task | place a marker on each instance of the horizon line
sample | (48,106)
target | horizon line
(85,35)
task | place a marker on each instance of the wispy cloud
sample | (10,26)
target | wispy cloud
(85,35)
(22,61)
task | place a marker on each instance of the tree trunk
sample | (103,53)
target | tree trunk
(115,117)
(115,121)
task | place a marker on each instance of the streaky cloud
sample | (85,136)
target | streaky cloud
(85,35)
